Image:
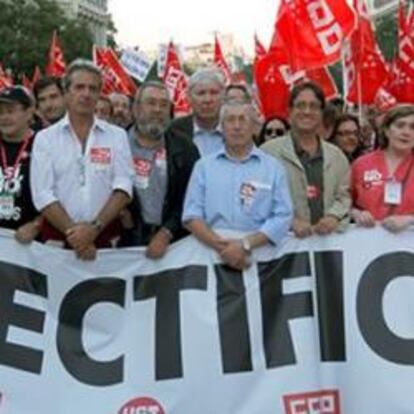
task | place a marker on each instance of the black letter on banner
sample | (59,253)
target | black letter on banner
(16,278)
(329,277)
(166,287)
(370,312)
(278,309)
(74,307)
(233,322)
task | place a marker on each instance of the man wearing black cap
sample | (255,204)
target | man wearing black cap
(17,211)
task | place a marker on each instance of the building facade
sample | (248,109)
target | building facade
(93,12)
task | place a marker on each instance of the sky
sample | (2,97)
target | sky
(146,23)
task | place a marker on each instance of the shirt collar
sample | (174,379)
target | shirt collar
(199,130)
(302,153)
(254,153)
(97,123)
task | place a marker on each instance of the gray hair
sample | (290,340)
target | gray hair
(205,75)
(150,84)
(237,104)
(80,65)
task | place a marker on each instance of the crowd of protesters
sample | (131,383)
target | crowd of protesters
(86,171)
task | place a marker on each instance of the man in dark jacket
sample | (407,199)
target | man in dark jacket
(206,93)
(163,163)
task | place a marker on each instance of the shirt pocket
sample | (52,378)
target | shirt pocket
(261,207)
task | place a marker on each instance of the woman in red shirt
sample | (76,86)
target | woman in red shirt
(383,181)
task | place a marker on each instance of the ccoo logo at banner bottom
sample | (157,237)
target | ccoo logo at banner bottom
(318,402)
(142,405)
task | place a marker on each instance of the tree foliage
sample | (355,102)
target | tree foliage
(387,35)
(26,28)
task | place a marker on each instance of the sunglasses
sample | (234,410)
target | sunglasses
(279,132)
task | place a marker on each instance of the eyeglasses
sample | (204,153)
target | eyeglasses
(347,132)
(279,132)
(312,106)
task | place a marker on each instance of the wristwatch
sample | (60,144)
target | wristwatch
(246,245)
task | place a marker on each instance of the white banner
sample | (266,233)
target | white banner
(162,59)
(136,63)
(324,325)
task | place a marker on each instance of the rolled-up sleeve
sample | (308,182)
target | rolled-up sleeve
(41,173)
(194,203)
(279,221)
(123,165)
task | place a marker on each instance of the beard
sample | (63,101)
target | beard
(152,128)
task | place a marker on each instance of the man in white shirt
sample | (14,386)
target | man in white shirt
(81,172)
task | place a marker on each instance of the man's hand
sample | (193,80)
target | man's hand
(363,218)
(235,256)
(81,235)
(27,232)
(158,244)
(395,224)
(326,225)
(87,253)
(301,228)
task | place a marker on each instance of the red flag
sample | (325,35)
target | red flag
(401,82)
(323,78)
(220,61)
(364,64)
(109,80)
(115,78)
(5,80)
(384,100)
(314,31)
(56,63)
(405,41)
(36,75)
(26,82)
(272,88)
(176,81)
(281,77)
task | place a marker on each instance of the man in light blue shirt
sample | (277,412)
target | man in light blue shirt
(238,188)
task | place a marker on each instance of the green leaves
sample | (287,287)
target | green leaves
(26,28)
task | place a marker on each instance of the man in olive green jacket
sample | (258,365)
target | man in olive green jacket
(318,171)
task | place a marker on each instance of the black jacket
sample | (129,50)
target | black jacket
(183,126)
(181,157)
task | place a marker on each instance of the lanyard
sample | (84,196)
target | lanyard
(6,168)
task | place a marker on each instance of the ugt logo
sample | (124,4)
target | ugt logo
(318,402)
(143,405)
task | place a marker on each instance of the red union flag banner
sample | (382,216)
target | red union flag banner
(220,61)
(176,81)
(406,41)
(401,82)
(363,61)
(319,402)
(115,78)
(314,30)
(270,83)
(56,65)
